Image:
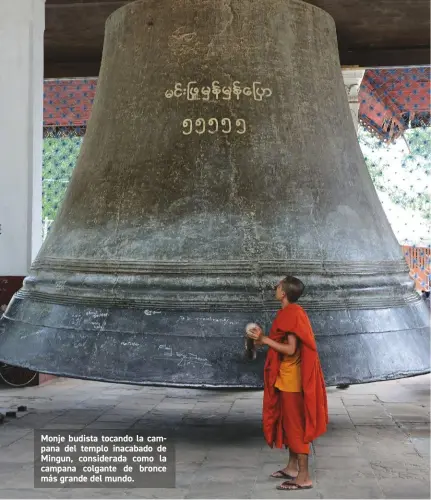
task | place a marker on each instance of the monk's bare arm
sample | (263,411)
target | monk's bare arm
(289,347)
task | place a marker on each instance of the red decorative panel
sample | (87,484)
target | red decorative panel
(392,100)
(8,286)
(419,261)
(68,102)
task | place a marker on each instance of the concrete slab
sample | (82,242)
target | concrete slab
(377,444)
(402,488)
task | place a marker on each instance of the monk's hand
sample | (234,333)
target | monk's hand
(256,334)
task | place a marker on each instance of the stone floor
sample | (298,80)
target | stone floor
(377,445)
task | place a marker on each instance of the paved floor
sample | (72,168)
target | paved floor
(377,446)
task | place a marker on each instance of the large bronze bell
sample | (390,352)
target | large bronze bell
(220,156)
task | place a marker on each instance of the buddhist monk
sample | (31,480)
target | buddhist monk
(295,410)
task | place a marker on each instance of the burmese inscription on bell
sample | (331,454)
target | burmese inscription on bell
(213,93)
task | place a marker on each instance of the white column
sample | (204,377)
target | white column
(22,25)
(352,84)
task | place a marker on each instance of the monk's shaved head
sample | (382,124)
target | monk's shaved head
(293,288)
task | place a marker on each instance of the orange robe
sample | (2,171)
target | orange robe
(294,319)
(293,422)
(289,377)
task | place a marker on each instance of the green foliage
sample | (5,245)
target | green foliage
(419,141)
(60,154)
(413,193)
(59,158)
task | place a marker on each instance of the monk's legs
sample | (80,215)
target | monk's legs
(303,478)
(294,429)
(292,467)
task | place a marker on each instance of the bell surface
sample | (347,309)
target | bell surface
(220,156)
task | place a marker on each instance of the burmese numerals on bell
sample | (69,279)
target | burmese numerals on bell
(213,126)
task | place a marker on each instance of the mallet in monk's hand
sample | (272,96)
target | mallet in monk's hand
(254,331)
(250,347)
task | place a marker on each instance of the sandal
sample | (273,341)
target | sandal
(288,485)
(281,474)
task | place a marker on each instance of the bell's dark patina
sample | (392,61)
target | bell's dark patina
(221,155)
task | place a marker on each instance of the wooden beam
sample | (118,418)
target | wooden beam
(79,68)
(364,58)
(380,58)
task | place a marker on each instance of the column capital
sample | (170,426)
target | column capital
(20,11)
(352,82)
